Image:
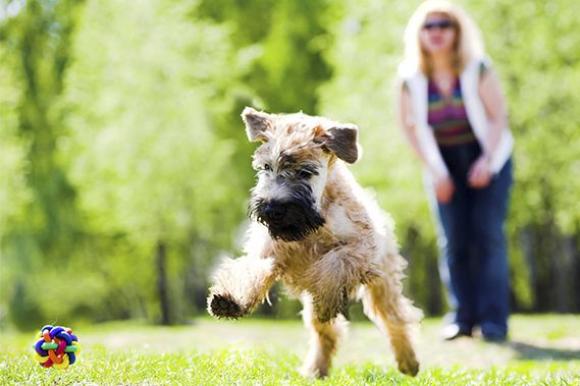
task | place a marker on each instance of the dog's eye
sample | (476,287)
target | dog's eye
(304,173)
(267,167)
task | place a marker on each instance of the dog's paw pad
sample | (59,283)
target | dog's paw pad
(223,306)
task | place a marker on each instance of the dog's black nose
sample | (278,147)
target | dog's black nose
(274,212)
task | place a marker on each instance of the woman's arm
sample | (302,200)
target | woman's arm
(407,122)
(495,108)
(443,184)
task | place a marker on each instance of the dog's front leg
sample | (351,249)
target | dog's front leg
(335,277)
(239,285)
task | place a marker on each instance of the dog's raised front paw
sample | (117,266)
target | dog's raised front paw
(224,306)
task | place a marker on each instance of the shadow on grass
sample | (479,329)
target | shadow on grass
(539,353)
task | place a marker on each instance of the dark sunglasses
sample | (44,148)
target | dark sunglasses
(439,24)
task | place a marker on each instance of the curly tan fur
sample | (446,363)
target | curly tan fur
(354,252)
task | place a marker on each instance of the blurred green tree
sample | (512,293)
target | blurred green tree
(142,148)
(284,42)
(35,40)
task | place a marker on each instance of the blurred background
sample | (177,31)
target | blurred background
(125,170)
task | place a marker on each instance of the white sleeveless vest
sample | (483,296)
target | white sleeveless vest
(469,79)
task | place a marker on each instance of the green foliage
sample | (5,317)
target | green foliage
(42,216)
(14,195)
(138,112)
(284,41)
(142,147)
(292,66)
(13,192)
(120,132)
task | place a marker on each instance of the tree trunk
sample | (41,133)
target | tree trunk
(162,285)
(563,279)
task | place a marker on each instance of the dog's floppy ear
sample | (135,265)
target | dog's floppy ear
(257,124)
(342,141)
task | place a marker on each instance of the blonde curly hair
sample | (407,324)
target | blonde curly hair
(468,43)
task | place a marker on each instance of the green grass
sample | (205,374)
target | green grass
(543,350)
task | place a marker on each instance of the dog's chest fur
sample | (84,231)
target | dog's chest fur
(295,258)
(345,219)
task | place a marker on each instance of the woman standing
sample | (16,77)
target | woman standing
(454,115)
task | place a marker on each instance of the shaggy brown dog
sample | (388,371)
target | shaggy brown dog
(315,229)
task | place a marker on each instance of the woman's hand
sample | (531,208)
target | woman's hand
(479,175)
(444,189)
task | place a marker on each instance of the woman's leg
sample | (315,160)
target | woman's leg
(489,213)
(455,263)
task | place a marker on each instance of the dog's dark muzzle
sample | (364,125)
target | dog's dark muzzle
(289,221)
(274,213)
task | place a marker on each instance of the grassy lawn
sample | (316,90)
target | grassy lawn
(543,350)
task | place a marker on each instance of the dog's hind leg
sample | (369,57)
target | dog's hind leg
(385,304)
(323,340)
(240,285)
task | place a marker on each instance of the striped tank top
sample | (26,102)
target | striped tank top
(447,116)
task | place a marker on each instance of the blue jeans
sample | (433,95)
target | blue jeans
(474,264)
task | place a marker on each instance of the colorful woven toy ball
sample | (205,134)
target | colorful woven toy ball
(57,346)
